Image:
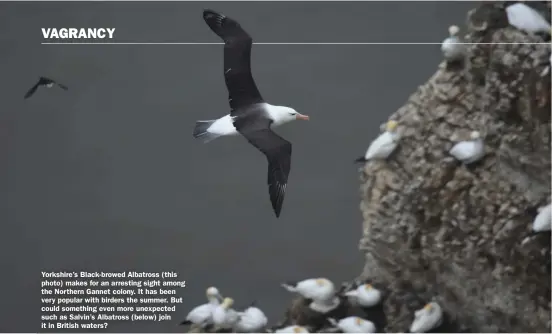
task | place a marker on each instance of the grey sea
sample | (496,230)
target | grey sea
(107,176)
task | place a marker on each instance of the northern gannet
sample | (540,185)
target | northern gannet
(383,145)
(354,325)
(469,151)
(454,51)
(543,220)
(250,115)
(251,320)
(365,295)
(427,318)
(292,329)
(320,290)
(224,317)
(202,314)
(527,19)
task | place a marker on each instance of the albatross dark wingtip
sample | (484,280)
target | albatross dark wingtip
(212,18)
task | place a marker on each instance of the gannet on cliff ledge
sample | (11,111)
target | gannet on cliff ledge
(251,320)
(224,317)
(365,295)
(543,220)
(427,318)
(454,51)
(202,314)
(250,115)
(469,151)
(383,145)
(526,18)
(353,325)
(320,290)
(292,329)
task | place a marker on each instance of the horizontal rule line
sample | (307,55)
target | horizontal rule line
(274,43)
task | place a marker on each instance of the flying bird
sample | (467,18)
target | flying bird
(43,81)
(249,115)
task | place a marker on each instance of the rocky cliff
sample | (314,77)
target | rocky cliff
(434,229)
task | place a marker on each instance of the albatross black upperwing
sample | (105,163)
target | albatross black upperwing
(62,86)
(278,153)
(242,90)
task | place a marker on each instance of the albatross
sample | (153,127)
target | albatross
(249,115)
(43,81)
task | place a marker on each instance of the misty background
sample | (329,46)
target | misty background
(108,177)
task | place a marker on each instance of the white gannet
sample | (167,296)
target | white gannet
(320,290)
(543,220)
(202,314)
(354,325)
(250,115)
(526,18)
(365,295)
(251,320)
(469,151)
(224,317)
(452,47)
(384,145)
(292,329)
(427,318)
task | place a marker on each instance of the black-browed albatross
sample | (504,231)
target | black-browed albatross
(43,81)
(249,115)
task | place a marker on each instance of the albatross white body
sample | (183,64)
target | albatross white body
(224,126)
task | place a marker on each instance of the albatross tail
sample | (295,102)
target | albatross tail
(201,130)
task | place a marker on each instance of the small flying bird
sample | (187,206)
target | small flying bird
(43,81)
(251,320)
(250,115)
(353,325)
(365,295)
(384,145)
(527,19)
(543,220)
(469,151)
(202,315)
(454,51)
(426,319)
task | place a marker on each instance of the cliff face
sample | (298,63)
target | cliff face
(434,229)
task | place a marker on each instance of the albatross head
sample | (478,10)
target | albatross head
(281,115)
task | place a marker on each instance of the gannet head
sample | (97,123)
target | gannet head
(358,321)
(428,307)
(227,303)
(322,282)
(281,115)
(368,287)
(453,30)
(300,329)
(213,293)
(391,126)
(475,135)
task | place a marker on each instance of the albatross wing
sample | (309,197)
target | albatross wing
(278,153)
(242,90)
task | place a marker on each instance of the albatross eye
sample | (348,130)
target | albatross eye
(292,113)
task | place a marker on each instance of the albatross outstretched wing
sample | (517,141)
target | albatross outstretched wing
(242,90)
(278,153)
